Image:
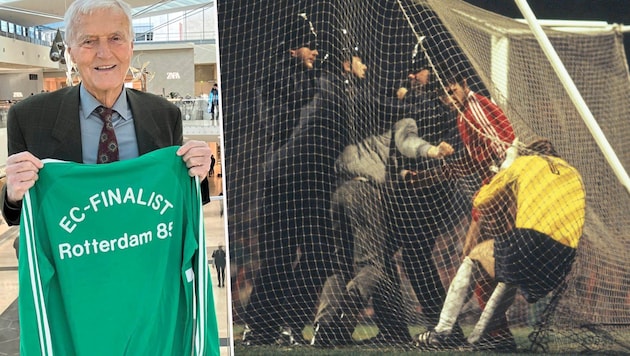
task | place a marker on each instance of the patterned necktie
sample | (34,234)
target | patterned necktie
(107,144)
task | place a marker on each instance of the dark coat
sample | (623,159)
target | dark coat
(47,125)
(219,258)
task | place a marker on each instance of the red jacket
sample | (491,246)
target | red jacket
(484,129)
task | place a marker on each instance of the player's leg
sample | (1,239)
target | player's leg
(493,314)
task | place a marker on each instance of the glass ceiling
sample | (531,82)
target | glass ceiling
(163,7)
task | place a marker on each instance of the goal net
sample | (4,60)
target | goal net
(341,229)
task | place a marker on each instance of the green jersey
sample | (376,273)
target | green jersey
(113,261)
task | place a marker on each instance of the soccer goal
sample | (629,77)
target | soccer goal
(342,236)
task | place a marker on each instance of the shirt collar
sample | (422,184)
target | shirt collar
(89,103)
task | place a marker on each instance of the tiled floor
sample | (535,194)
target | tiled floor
(9,327)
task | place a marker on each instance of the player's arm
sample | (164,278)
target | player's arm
(410,144)
(499,121)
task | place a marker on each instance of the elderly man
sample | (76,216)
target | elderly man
(101,121)
(64,124)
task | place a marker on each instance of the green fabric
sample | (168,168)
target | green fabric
(113,261)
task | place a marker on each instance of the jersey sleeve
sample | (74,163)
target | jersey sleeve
(206,336)
(35,277)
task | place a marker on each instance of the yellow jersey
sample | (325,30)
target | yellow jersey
(549,195)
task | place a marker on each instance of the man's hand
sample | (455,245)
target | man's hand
(196,154)
(22,172)
(443,149)
(401,93)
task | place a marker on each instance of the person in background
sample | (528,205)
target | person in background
(534,255)
(334,320)
(213,102)
(219,264)
(286,89)
(416,83)
(360,227)
(417,212)
(359,220)
(205,191)
(212,162)
(483,127)
(486,134)
(222,204)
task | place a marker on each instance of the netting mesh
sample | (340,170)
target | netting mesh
(537,104)
(327,234)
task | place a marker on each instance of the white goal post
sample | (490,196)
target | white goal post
(574,93)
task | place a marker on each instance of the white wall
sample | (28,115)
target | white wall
(19,82)
(25,54)
(173,67)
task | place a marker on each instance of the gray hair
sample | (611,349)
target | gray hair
(80,8)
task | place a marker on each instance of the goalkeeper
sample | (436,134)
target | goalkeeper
(534,256)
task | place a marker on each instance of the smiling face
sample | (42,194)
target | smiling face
(102,52)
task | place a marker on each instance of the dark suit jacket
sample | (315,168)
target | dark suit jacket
(47,125)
